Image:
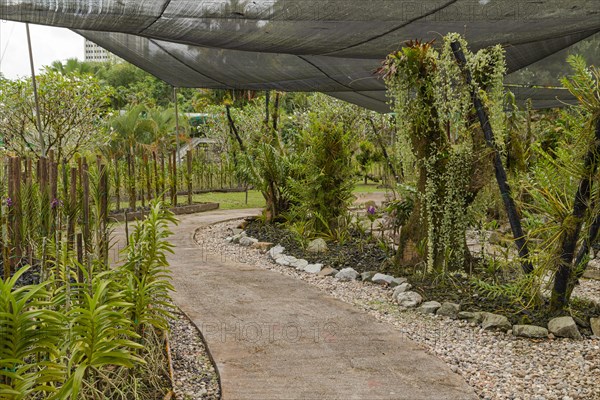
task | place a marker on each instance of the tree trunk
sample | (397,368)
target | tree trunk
(573,226)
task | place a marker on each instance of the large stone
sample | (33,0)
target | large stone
(495,322)
(474,317)
(449,310)
(595,325)
(237,231)
(408,299)
(262,246)
(397,282)
(564,327)
(347,274)
(313,268)
(366,276)
(328,271)
(317,246)
(286,260)
(247,241)
(429,307)
(382,279)
(405,287)
(236,238)
(275,251)
(299,264)
(530,331)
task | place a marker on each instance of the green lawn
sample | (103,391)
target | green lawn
(237,200)
(368,188)
(230,201)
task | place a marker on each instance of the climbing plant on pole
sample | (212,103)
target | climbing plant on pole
(435,117)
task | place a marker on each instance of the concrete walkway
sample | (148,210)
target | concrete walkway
(274,337)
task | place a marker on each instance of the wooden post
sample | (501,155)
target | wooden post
(80,257)
(162,176)
(173,167)
(16,208)
(72,209)
(53,198)
(65,180)
(148,178)
(10,217)
(175,178)
(156,177)
(29,171)
(501,178)
(85,207)
(189,177)
(117,183)
(42,177)
(103,217)
(132,188)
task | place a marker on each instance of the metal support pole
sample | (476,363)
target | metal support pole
(35,93)
(176,123)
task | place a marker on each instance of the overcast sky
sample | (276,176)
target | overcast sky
(49,44)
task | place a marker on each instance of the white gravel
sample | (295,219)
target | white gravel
(193,372)
(496,365)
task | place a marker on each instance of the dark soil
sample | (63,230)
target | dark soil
(30,277)
(366,255)
(357,252)
(459,289)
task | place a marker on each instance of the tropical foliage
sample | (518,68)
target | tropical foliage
(72,337)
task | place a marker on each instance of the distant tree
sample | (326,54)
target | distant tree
(366,157)
(71,108)
(130,132)
(73,66)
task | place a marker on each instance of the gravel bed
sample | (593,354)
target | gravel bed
(497,365)
(194,374)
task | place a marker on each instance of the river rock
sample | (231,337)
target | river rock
(247,241)
(299,264)
(317,246)
(382,279)
(262,246)
(313,268)
(367,275)
(595,325)
(286,260)
(564,327)
(347,274)
(474,317)
(429,307)
(397,282)
(530,331)
(449,310)
(276,251)
(408,299)
(495,322)
(405,287)
(328,271)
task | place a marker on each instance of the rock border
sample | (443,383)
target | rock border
(563,326)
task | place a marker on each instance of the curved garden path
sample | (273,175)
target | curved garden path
(274,337)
